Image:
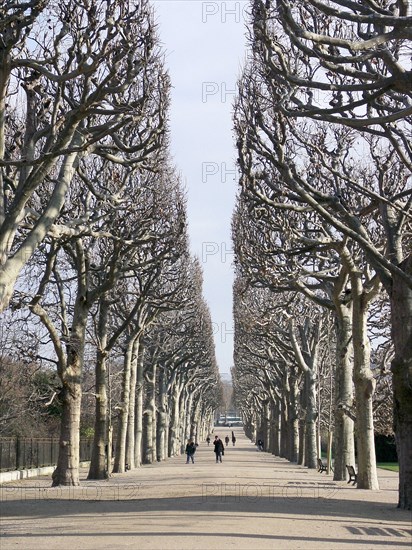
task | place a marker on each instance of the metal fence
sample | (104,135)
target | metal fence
(22,453)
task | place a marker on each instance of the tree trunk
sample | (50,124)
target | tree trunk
(284,438)
(130,439)
(174,421)
(162,423)
(147,436)
(99,466)
(154,416)
(344,436)
(183,423)
(293,416)
(67,470)
(364,389)
(149,432)
(301,454)
(311,413)
(401,306)
(276,423)
(139,409)
(120,456)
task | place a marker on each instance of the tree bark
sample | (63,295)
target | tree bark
(364,389)
(344,434)
(67,470)
(174,421)
(275,423)
(284,436)
(149,432)
(130,439)
(162,423)
(154,415)
(311,414)
(401,306)
(301,455)
(139,408)
(293,417)
(99,466)
(120,456)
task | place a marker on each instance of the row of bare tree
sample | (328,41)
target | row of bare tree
(94,249)
(323,220)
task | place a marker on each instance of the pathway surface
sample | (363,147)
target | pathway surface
(250,501)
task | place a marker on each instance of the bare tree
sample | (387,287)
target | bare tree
(72,77)
(355,58)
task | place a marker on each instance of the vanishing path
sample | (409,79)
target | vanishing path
(251,500)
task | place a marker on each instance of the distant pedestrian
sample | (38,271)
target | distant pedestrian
(190,451)
(260,444)
(233,439)
(227,440)
(208,440)
(219,448)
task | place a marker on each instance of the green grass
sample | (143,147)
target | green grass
(392,466)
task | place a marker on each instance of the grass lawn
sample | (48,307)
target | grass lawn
(392,466)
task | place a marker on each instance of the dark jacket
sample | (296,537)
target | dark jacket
(190,449)
(219,447)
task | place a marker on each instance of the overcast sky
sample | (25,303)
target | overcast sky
(205,51)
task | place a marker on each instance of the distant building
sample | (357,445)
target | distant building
(229,418)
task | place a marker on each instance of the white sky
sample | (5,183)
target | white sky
(204,43)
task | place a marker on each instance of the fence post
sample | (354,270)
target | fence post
(18,452)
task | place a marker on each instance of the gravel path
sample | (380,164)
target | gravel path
(250,501)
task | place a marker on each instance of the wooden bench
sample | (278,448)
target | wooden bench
(322,466)
(353,476)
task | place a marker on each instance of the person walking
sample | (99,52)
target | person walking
(233,439)
(208,440)
(190,451)
(219,448)
(227,440)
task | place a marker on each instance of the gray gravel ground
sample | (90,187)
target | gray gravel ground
(250,501)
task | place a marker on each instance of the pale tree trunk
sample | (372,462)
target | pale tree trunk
(167,431)
(138,425)
(194,424)
(284,436)
(183,420)
(67,470)
(120,456)
(276,431)
(130,438)
(11,265)
(311,452)
(149,417)
(364,389)
(266,426)
(401,306)
(147,423)
(152,405)
(293,416)
(306,357)
(254,428)
(301,454)
(174,420)
(187,411)
(270,427)
(162,424)
(99,466)
(343,393)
